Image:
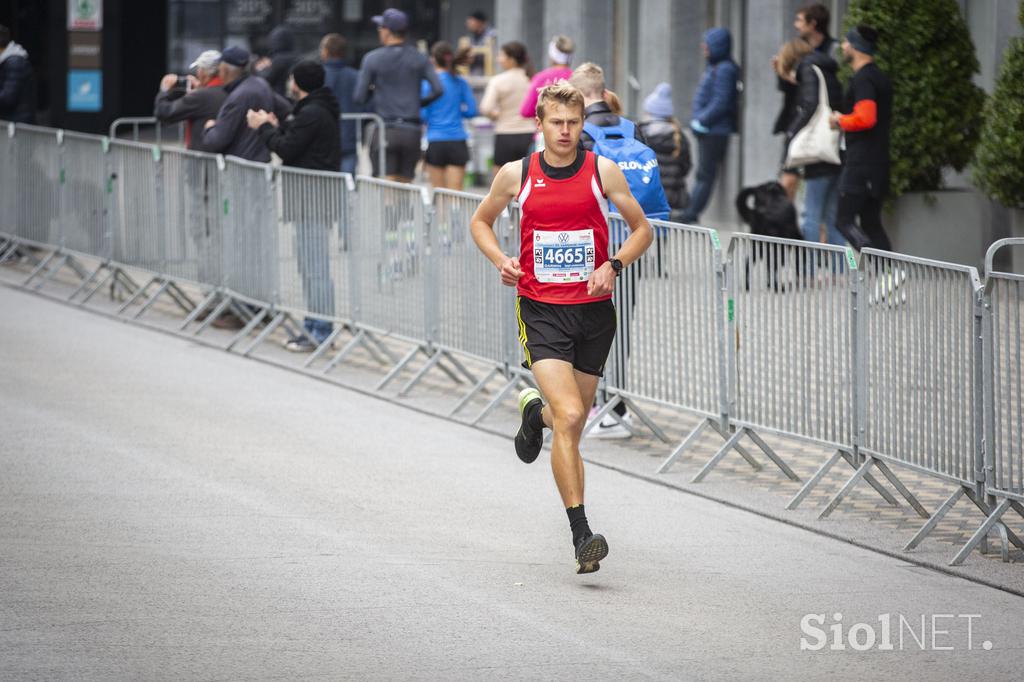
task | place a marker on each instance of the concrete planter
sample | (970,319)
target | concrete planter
(956,226)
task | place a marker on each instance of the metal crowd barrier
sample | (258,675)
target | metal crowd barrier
(136,123)
(891,360)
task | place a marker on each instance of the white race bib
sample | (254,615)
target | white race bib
(563,257)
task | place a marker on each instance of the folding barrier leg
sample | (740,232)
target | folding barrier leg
(435,359)
(224,304)
(152,299)
(8,250)
(198,310)
(479,386)
(267,331)
(813,481)
(645,420)
(459,367)
(324,346)
(982,532)
(929,526)
(986,510)
(870,479)
(845,490)
(738,447)
(722,451)
(181,298)
(345,350)
(496,400)
(690,439)
(399,367)
(772,455)
(111,275)
(902,489)
(138,292)
(52,271)
(247,329)
(86,281)
(42,264)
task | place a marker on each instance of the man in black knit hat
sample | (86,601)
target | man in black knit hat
(310,138)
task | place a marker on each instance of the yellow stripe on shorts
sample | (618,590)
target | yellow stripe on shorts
(522,332)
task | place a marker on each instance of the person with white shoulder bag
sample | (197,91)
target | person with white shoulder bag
(813,145)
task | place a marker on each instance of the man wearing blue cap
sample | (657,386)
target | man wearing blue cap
(229,134)
(389,83)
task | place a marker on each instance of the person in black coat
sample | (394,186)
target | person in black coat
(821,186)
(665,136)
(17,83)
(276,67)
(309,139)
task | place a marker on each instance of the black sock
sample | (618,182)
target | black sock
(620,409)
(578,524)
(533,417)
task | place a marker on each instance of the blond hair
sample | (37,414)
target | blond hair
(790,55)
(589,78)
(559,92)
(613,102)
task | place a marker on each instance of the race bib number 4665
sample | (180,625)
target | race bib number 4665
(563,257)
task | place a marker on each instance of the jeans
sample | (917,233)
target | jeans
(315,268)
(348,163)
(821,204)
(711,153)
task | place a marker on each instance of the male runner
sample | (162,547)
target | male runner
(565,280)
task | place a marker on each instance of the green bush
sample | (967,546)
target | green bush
(999,167)
(926,50)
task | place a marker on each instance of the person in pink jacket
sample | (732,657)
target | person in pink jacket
(560,51)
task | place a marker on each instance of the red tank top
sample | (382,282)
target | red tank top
(563,233)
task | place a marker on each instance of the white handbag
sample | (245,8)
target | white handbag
(816,142)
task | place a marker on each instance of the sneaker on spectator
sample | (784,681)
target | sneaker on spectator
(610,428)
(300,344)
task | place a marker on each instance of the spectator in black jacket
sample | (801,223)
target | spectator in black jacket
(228,134)
(197,104)
(821,180)
(309,139)
(17,83)
(276,67)
(665,136)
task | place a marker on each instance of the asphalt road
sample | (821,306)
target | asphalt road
(170,511)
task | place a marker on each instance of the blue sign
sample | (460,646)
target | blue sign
(85,90)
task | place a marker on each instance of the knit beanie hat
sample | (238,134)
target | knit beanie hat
(308,75)
(659,102)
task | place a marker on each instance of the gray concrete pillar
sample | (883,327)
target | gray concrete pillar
(590,23)
(521,20)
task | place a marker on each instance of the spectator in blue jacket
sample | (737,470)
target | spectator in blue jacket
(447,152)
(714,117)
(341,79)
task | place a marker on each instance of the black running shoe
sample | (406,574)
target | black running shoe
(528,441)
(589,553)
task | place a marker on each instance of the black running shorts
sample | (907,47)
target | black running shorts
(447,153)
(402,152)
(511,147)
(579,334)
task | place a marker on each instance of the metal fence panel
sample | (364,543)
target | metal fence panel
(37,180)
(921,324)
(475,314)
(791,338)
(193,209)
(1004,375)
(389,246)
(138,238)
(85,194)
(250,229)
(669,313)
(311,216)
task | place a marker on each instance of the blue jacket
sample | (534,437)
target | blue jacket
(444,115)
(714,103)
(341,80)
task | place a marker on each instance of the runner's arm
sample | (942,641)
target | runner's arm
(481,225)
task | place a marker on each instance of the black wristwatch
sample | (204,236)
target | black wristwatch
(616,265)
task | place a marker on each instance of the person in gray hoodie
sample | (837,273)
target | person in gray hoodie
(715,108)
(17,83)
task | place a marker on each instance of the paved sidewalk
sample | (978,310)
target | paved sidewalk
(168,511)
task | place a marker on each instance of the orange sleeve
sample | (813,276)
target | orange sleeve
(864,116)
